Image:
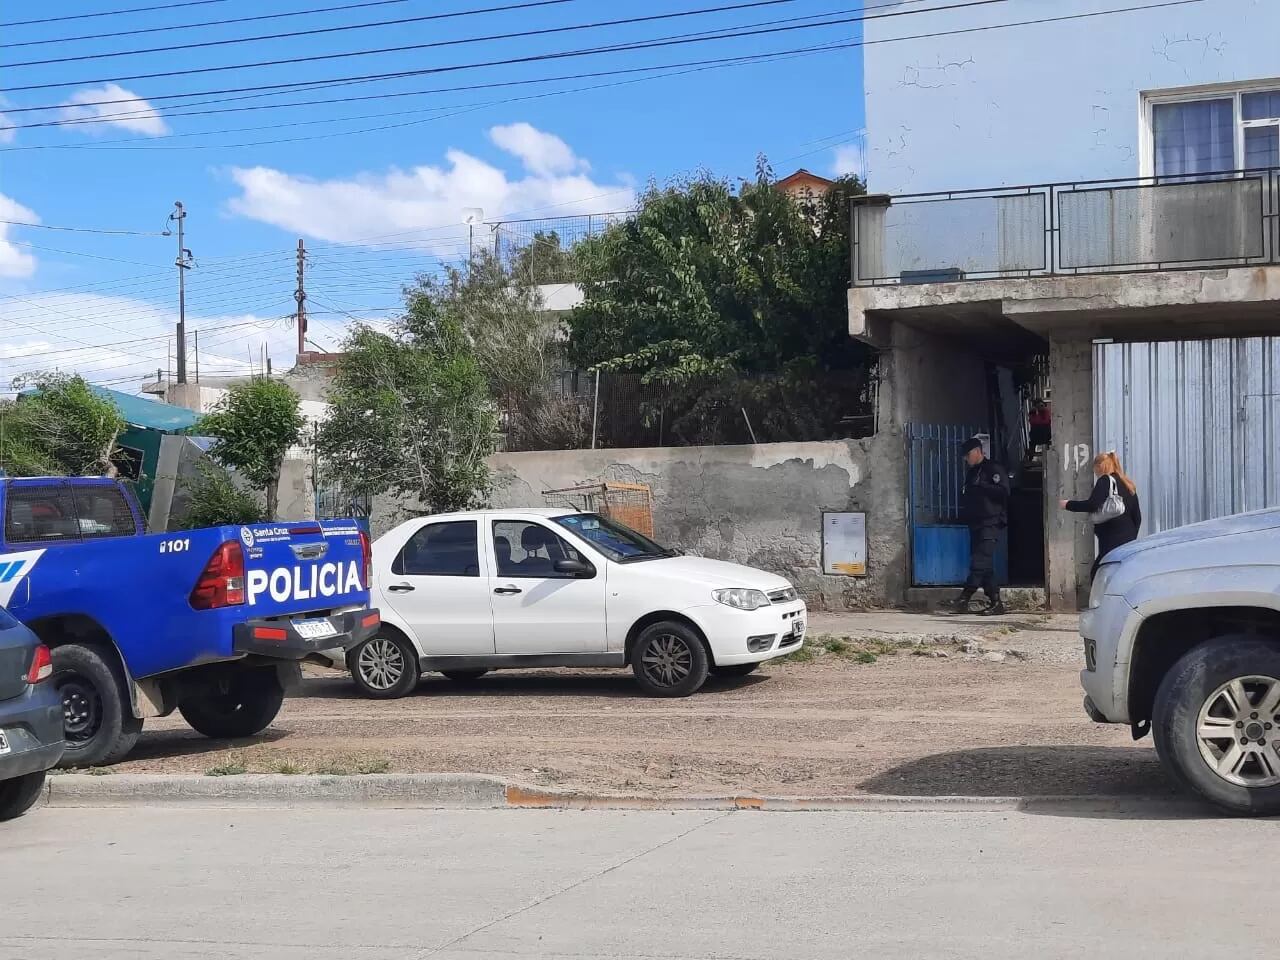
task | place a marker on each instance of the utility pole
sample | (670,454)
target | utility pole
(183,264)
(300,295)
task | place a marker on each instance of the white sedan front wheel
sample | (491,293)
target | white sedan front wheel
(669,660)
(384,667)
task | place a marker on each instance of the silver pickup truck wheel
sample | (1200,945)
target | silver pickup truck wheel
(1237,731)
(1217,723)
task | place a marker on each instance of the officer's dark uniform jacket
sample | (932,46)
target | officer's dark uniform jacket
(985,498)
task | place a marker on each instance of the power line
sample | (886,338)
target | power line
(76,253)
(464,108)
(376,96)
(344,28)
(708,64)
(125,233)
(727,34)
(206,23)
(111,13)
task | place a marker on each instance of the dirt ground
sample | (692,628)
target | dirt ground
(890,703)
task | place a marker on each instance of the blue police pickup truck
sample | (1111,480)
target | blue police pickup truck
(213,623)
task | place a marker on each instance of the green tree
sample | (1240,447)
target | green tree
(255,424)
(544,260)
(705,279)
(60,428)
(519,348)
(411,409)
(214,501)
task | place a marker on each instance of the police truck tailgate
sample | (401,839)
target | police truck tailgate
(305,588)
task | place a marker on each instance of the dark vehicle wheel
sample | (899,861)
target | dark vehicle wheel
(19,795)
(734,670)
(1217,724)
(384,667)
(463,676)
(98,720)
(669,660)
(239,704)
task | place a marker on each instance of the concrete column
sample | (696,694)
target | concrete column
(1068,541)
(165,481)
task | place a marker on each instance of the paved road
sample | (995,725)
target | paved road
(147,883)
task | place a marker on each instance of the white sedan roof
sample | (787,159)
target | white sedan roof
(510,512)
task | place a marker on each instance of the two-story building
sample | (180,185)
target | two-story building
(1083,212)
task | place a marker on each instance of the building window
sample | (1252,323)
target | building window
(1197,137)
(1229,128)
(1260,117)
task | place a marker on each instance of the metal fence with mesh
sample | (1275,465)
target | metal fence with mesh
(542,246)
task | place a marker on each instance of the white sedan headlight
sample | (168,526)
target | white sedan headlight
(1101,581)
(742,598)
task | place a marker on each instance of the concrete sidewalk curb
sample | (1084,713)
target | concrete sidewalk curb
(480,792)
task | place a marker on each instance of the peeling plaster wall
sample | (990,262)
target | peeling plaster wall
(759,505)
(1044,103)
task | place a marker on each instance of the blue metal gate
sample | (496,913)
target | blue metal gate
(939,538)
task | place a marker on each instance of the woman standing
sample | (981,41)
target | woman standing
(1116,530)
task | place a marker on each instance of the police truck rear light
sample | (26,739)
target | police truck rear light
(366,560)
(371,620)
(269,633)
(222,582)
(41,665)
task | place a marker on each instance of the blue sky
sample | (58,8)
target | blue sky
(103,304)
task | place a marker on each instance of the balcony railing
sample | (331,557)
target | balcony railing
(1230,218)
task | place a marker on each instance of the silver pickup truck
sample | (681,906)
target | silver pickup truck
(1182,639)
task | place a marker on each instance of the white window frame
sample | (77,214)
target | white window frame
(1147,100)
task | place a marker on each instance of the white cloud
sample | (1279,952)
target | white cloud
(135,114)
(542,153)
(430,198)
(6,136)
(14,261)
(850,158)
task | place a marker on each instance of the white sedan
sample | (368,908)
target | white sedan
(466,593)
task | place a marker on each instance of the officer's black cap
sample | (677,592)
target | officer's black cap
(973,443)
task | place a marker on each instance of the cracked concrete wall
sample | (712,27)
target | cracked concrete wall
(933,379)
(1039,103)
(1069,542)
(760,505)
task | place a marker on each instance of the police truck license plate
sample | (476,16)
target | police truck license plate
(315,629)
(797,628)
(4,743)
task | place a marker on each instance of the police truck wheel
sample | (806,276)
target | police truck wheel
(240,704)
(20,794)
(1217,723)
(384,667)
(98,721)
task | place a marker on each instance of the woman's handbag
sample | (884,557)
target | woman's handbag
(1112,507)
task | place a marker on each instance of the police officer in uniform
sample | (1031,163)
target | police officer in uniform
(984,504)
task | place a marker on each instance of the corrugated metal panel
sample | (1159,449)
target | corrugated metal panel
(1196,424)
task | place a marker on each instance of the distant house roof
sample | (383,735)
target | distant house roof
(803,178)
(144,413)
(149,414)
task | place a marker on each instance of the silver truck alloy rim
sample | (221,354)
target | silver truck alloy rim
(667,660)
(1238,730)
(381,664)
